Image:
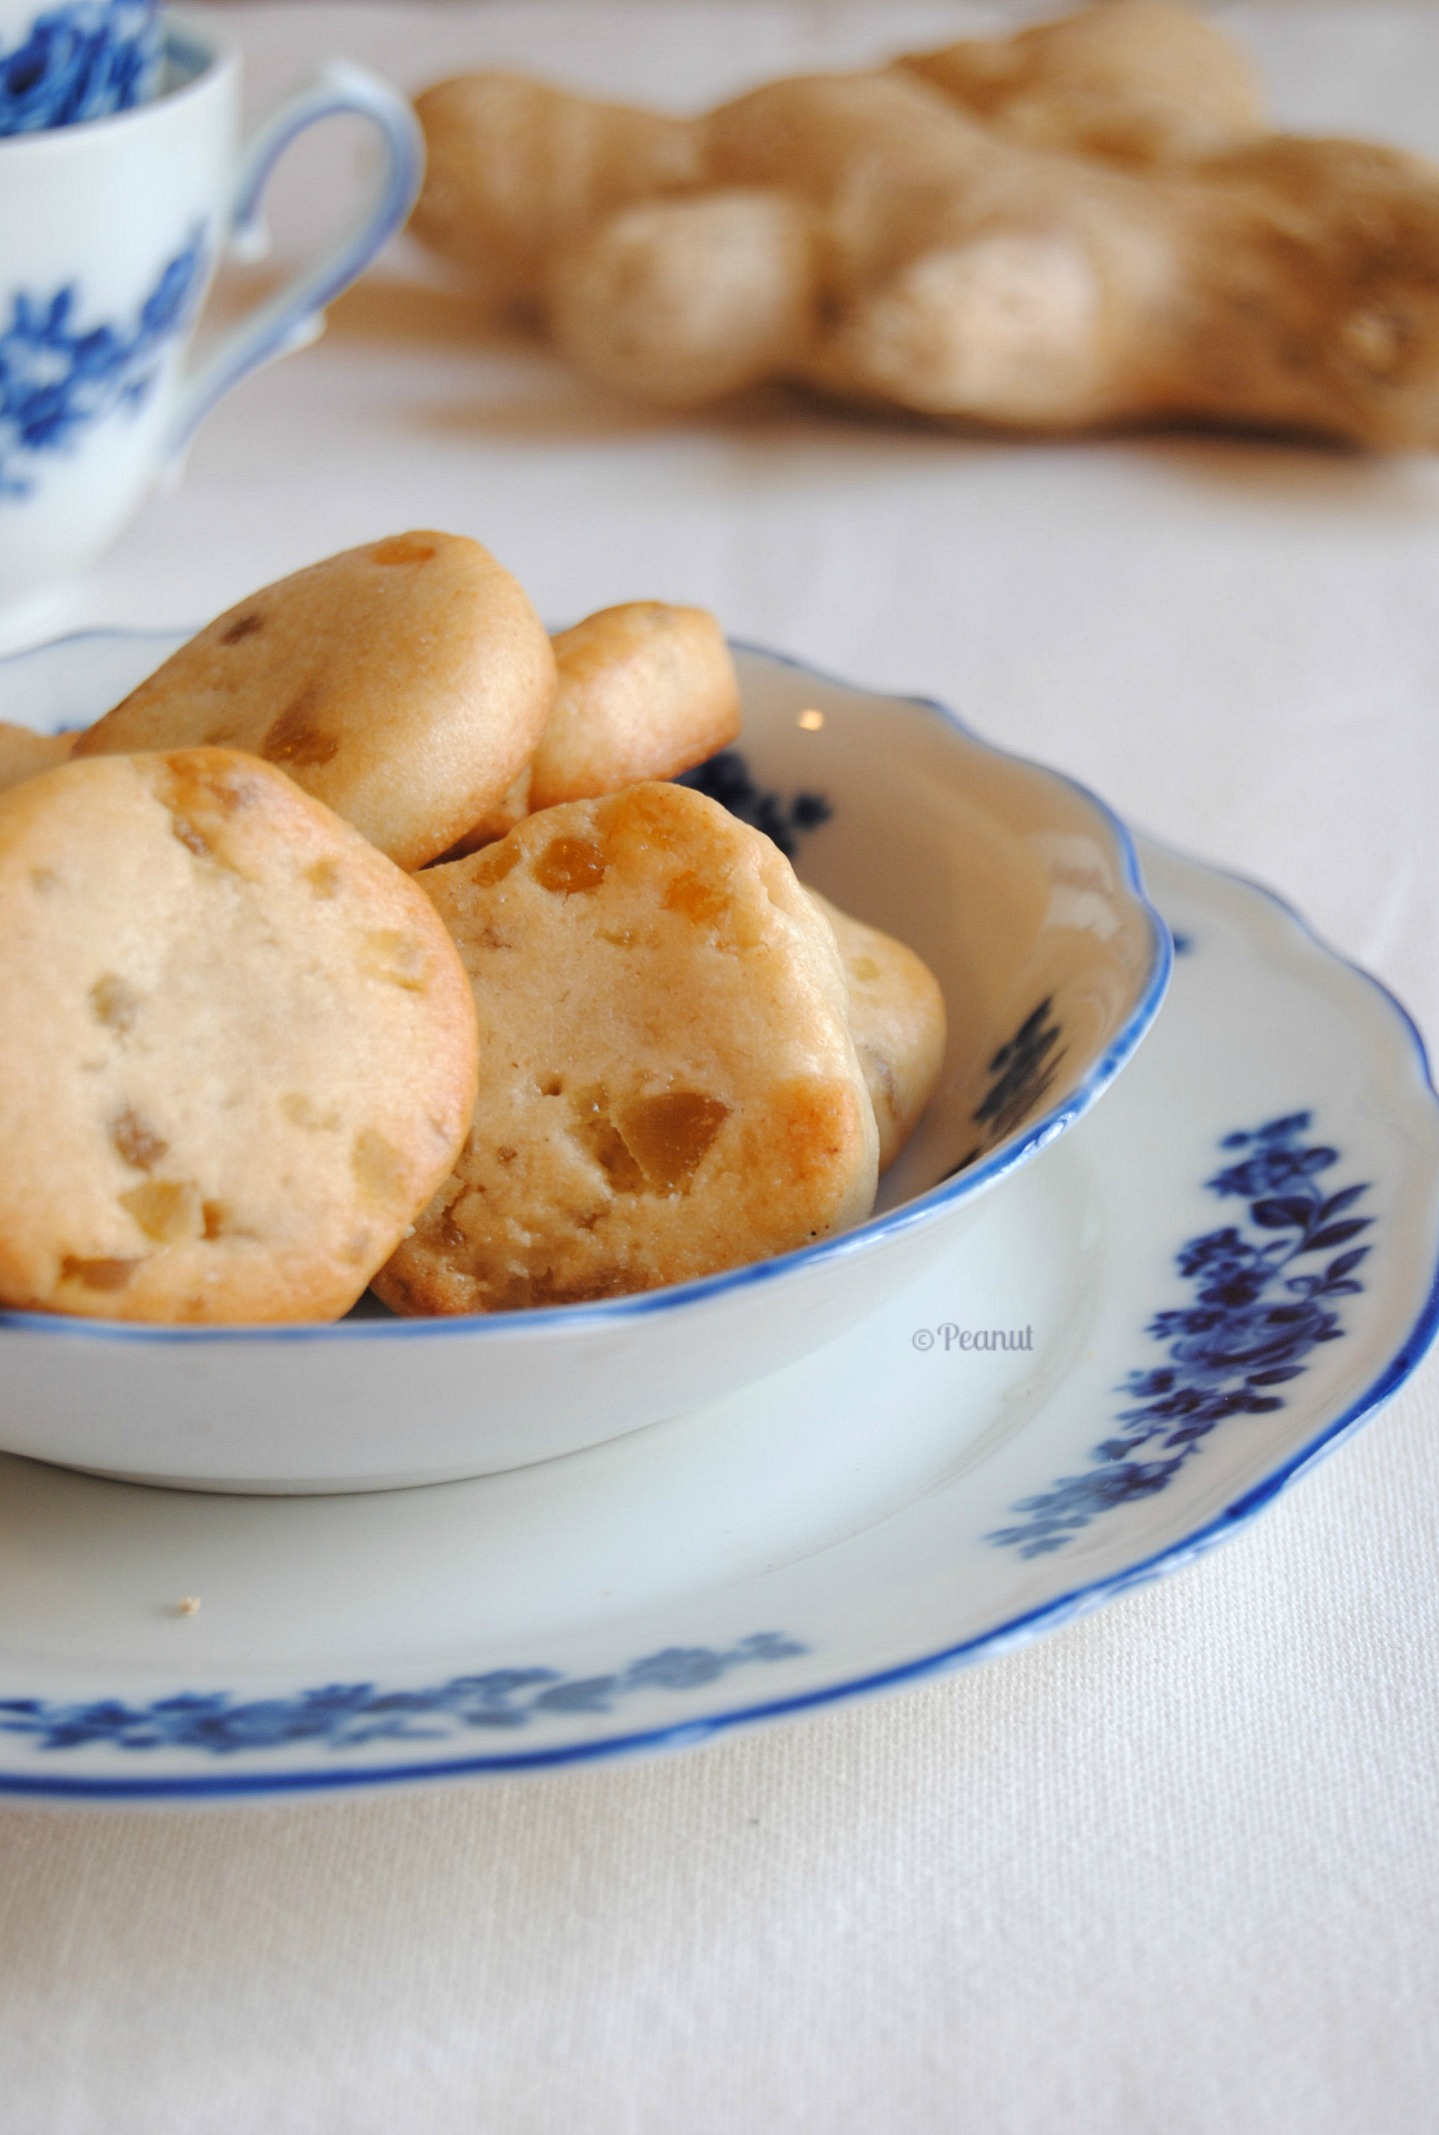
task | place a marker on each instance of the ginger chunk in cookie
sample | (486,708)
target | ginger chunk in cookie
(236,1044)
(405,684)
(24,753)
(667,1081)
(897,1021)
(644,691)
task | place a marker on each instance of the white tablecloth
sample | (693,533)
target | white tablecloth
(1174,1870)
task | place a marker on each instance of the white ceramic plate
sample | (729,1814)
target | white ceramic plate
(1221,1271)
(1021,892)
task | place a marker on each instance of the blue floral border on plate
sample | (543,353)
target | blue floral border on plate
(1251,1328)
(342,1716)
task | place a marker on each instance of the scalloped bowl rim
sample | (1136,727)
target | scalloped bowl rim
(923,1208)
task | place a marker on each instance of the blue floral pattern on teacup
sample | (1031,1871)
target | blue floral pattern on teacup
(84,61)
(58,375)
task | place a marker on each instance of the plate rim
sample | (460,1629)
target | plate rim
(1017,1630)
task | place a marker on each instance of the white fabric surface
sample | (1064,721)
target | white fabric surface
(1174,1870)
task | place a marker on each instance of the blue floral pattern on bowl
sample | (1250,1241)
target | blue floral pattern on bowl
(727,778)
(58,376)
(345,1715)
(79,62)
(1021,1074)
(1255,1322)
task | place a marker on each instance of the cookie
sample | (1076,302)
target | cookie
(644,691)
(509,809)
(24,753)
(667,1081)
(405,684)
(897,1021)
(236,1044)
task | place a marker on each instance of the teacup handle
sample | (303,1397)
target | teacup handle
(295,315)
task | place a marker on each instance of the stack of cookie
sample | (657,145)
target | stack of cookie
(368,942)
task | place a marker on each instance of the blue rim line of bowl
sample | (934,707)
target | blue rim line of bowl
(922,1209)
(1017,1631)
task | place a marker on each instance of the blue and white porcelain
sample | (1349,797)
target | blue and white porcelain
(65,61)
(109,235)
(1019,890)
(1154,1329)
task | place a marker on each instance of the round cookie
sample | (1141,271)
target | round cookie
(24,753)
(643,691)
(667,1081)
(236,1045)
(511,808)
(404,684)
(897,1021)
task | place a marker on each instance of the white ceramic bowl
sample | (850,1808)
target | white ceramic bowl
(1019,889)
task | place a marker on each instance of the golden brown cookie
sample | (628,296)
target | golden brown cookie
(404,684)
(511,808)
(667,1081)
(897,1021)
(644,691)
(236,1045)
(24,753)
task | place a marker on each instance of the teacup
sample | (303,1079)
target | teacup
(63,61)
(109,236)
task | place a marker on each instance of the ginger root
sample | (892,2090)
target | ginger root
(1082,225)
(515,169)
(1139,81)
